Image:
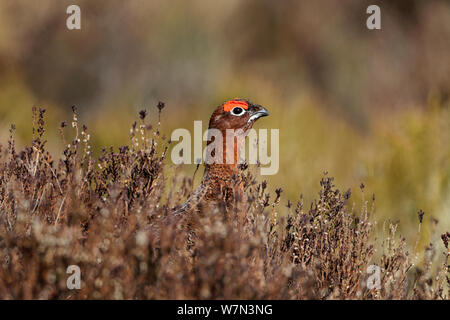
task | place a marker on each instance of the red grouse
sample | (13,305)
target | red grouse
(218,183)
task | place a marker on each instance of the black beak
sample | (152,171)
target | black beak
(260,112)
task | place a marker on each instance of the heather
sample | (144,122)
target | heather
(111,215)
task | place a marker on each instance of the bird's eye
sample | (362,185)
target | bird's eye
(237,111)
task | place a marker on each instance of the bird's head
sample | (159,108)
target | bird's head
(236,114)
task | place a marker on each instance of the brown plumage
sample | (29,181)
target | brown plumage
(221,181)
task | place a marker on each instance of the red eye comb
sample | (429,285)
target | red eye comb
(229,105)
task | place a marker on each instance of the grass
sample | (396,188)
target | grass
(111,216)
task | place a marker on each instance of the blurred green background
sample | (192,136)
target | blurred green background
(366,106)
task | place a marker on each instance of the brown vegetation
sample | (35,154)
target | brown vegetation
(96,213)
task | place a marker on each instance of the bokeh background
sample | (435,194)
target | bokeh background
(368,106)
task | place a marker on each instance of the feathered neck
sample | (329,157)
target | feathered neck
(229,166)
